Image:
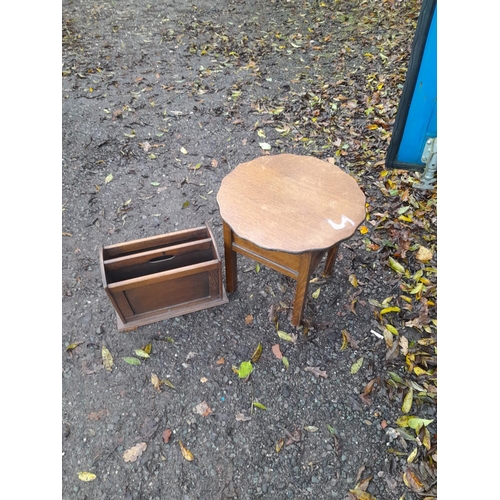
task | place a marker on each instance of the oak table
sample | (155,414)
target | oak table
(286,211)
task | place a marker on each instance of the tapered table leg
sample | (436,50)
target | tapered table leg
(230,259)
(330,259)
(305,271)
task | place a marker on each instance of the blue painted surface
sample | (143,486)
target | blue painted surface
(421,123)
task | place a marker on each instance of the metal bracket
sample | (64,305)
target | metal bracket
(429,157)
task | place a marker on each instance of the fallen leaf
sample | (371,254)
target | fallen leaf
(285,362)
(248,319)
(73,346)
(259,405)
(167,382)
(413,481)
(256,355)
(310,428)
(408,401)
(202,409)
(107,359)
(276,351)
(141,353)
(403,343)
(353,280)
(361,495)
(285,336)
(423,254)
(265,146)
(357,365)
(156,382)
(214,163)
(203,380)
(315,294)
(316,371)
(240,417)
(132,361)
(167,433)
(109,178)
(220,361)
(86,476)
(132,454)
(245,369)
(185,452)
(396,266)
(183,151)
(279,445)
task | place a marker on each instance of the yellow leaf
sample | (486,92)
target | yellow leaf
(412,455)
(147,348)
(345,341)
(256,355)
(183,151)
(426,441)
(408,401)
(315,294)
(353,280)
(285,336)
(86,476)
(185,452)
(419,371)
(392,329)
(107,359)
(363,229)
(390,309)
(279,445)
(109,178)
(361,495)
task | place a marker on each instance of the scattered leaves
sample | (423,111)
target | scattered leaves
(256,355)
(132,361)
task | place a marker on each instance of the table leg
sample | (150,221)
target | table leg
(330,259)
(230,259)
(299,303)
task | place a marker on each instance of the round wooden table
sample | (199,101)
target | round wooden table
(286,211)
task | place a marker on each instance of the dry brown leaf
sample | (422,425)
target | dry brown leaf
(185,452)
(220,361)
(202,409)
(156,382)
(167,433)
(96,415)
(214,163)
(316,371)
(276,351)
(132,454)
(248,319)
(403,342)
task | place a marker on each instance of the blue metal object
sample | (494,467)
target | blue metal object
(413,145)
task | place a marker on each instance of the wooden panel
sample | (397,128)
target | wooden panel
(285,263)
(135,246)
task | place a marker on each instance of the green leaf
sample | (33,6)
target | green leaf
(417,423)
(356,366)
(257,267)
(396,377)
(246,368)
(396,266)
(285,362)
(331,430)
(141,353)
(155,183)
(259,405)
(132,361)
(315,294)
(185,204)
(285,336)
(388,310)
